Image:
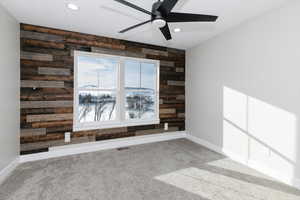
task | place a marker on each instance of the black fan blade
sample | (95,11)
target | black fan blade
(167,6)
(135,26)
(126,3)
(166,32)
(185,17)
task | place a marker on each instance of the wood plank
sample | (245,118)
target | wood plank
(33,146)
(173,101)
(42,84)
(177,106)
(165,58)
(169,96)
(32,132)
(41,36)
(179,69)
(177,120)
(135,55)
(114,130)
(170,72)
(167,111)
(52,91)
(167,63)
(143,127)
(44,44)
(47,78)
(95,43)
(149,131)
(25,71)
(26,111)
(54,71)
(42,138)
(35,63)
(65,59)
(172,87)
(36,56)
(48,117)
(170,91)
(49,97)
(45,50)
(176,83)
(154,52)
(114,136)
(46,104)
(162,116)
(108,51)
(102,131)
(181,115)
(40,150)
(180,97)
(58,129)
(179,52)
(51,124)
(181,125)
(118,52)
(155,131)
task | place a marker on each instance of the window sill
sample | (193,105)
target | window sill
(85,127)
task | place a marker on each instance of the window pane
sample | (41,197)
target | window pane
(148,76)
(132,105)
(96,106)
(140,105)
(147,105)
(132,74)
(97,73)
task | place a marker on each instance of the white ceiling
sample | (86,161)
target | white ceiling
(107,17)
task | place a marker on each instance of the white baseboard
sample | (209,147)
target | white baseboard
(215,148)
(204,143)
(8,170)
(101,145)
(292,181)
(125,142)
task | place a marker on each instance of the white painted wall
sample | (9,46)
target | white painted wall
(243,91)
(9,88)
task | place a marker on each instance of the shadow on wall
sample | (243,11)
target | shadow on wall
(261,134)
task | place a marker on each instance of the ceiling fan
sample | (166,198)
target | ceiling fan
(161,15)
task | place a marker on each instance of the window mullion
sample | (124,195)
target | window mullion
(121,90)
(140,87)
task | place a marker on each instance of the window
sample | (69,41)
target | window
(114,91)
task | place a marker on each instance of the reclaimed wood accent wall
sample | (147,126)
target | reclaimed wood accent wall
(47,86)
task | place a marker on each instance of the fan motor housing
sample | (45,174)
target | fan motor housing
(155,13)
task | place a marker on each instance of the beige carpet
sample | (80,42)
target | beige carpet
(172,170)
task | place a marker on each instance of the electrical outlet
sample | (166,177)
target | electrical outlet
(166,126)
(67,137)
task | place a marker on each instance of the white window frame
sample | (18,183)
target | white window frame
(120,95)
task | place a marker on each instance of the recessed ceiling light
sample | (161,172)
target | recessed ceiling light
(177,30)
(72,6)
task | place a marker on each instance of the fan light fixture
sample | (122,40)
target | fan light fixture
(72,6)
(159,23)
